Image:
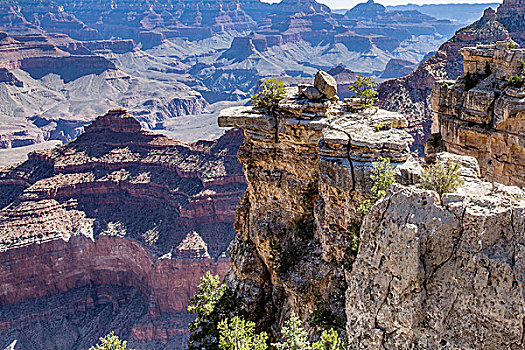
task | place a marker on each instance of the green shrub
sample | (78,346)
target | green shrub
(442,177)
(272,92)
(383,176)
(522,63)
(364,88)
(110,342)
(511,45)
(238,334)
(382,126)
(515,81)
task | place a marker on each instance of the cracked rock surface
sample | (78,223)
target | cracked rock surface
(448,274)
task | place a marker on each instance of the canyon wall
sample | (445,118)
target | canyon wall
(482,114)
(307,168)
(419,271)
(410,95)
(113,232)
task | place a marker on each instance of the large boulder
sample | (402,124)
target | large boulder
(326,84)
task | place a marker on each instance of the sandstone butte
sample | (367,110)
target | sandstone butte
(112,232)
(429,273)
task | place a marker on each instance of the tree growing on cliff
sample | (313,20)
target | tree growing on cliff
(110,342)
(238,334)
(272,92)
(364,88)
(204,332)
(383,175)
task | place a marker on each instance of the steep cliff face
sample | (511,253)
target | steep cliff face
(430,272)
(410,95)
(483,115)
(436,274)
(112,232)
(307,169)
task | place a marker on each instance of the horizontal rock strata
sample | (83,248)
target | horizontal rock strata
(122,209)
(307,167)
(482,115)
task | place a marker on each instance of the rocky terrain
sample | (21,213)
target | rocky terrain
(112,232)
(410,95)
(307,169)
(482,114)
(419,271)
(165,59)
(51,86)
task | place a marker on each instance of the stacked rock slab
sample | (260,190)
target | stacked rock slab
(482,115)
(307,166)
(441,274)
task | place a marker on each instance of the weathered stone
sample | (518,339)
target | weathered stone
(305,184)
(487,121)
(448,274)
(326,84)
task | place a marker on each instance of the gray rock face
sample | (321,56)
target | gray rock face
(326,84)
(310,92)
(447,275)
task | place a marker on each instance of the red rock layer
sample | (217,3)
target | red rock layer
(110,211)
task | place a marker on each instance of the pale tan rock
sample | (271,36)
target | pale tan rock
(487,121)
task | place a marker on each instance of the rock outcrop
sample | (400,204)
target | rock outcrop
(483,115)
(444,273)
(419,271)
(410,95)
(113,232)
(307,168)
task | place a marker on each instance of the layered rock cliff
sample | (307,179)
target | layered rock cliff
(419,271)
(483,114)
(410,95)
(113,232)
(307,168)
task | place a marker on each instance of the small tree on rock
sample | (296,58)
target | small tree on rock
(364,88)
(293,335)
(110,342)
(204,328)
(272,92)
(383,175)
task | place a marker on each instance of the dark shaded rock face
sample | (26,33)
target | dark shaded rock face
(411,94)
(112,232)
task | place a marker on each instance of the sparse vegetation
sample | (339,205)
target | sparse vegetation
(522,64)
(515,81)
(442,177)
(364,88)
(204,329)
(511,45)
(272,92)
(382,176)
(382,126)
(110,342)
(238,334)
